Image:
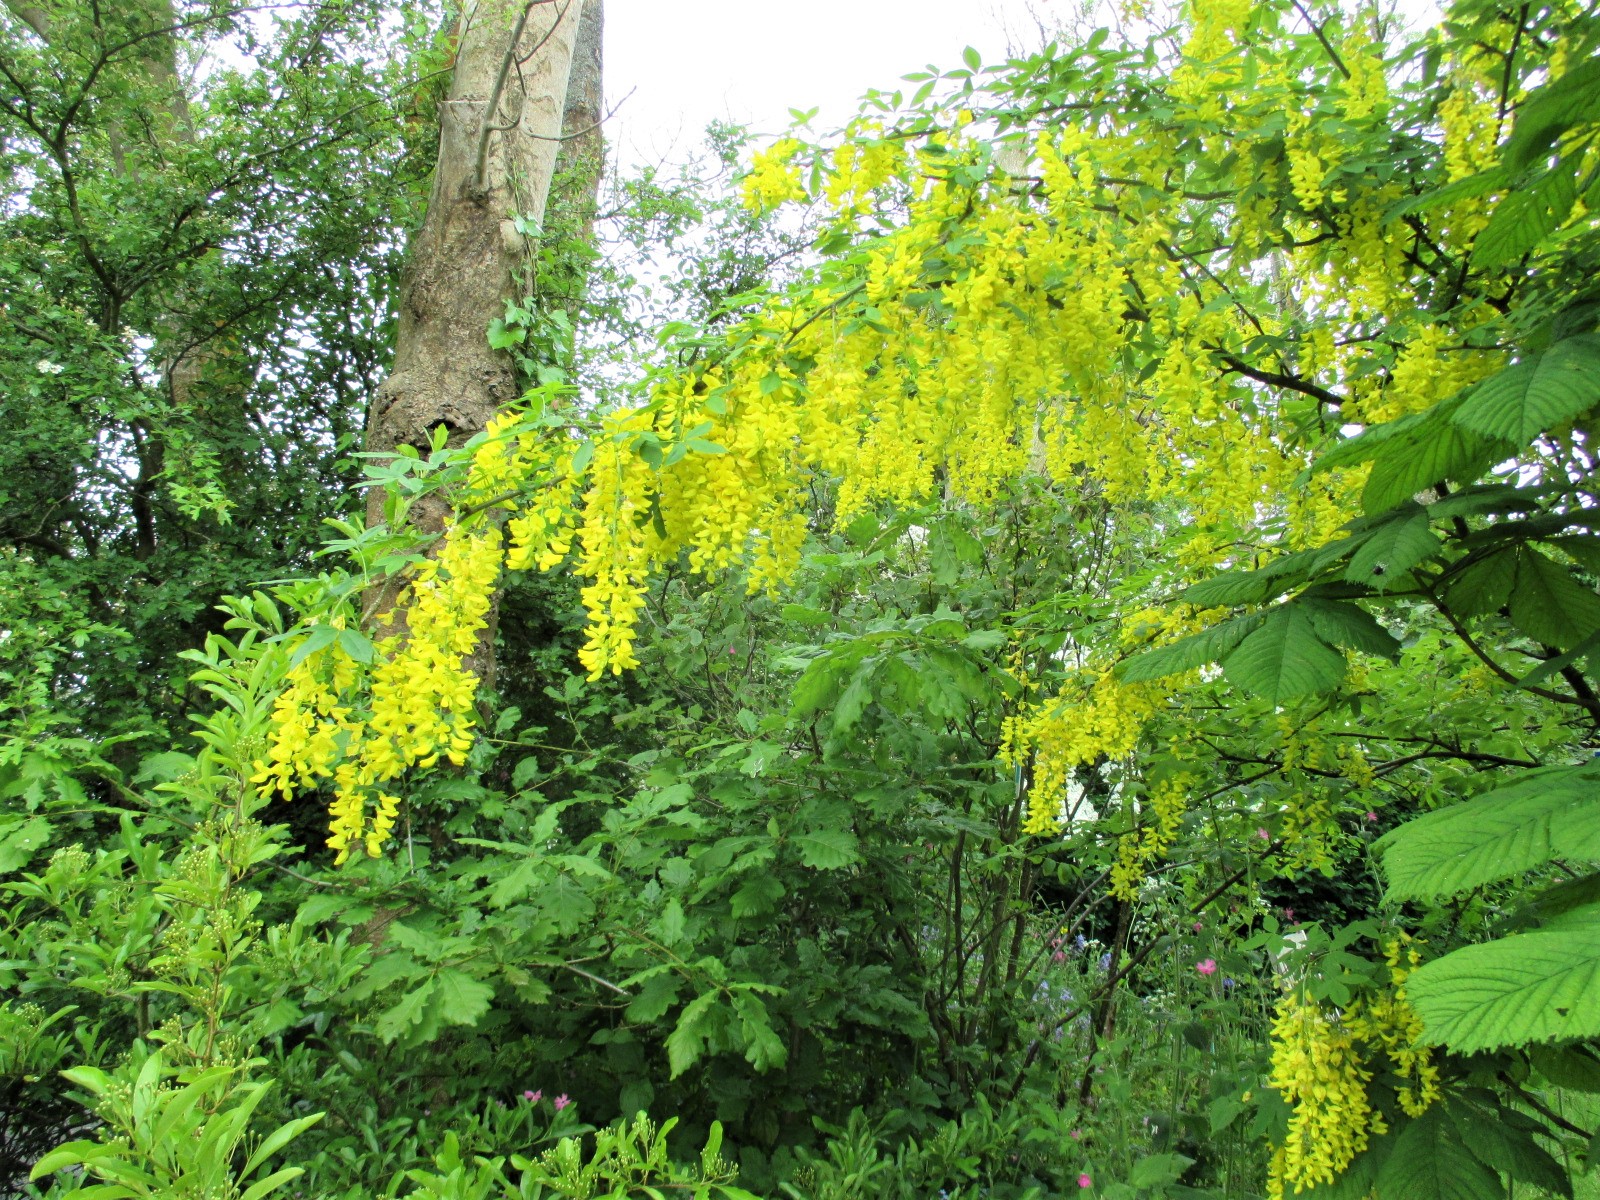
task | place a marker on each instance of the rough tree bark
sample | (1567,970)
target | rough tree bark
(499,135)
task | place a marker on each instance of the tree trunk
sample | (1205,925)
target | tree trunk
(499,134)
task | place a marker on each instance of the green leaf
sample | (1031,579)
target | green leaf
(1429,1162)
(462,999)
(1525,217)
(827,849)
(20,842)
(1434,451)
(655,996)
(1185,654)
(277,1140)
(396,1021)
(1285,659)
(1505,1147)
(1549,813)
(1573,1067)
(1531,987)
(1393,548)
(1482,586)
(1552,110)
(757,896)
(1350,627)
(1549,604)
(1547,389)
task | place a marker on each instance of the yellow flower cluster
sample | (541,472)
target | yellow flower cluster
(1160,822)
(1095,718)
(1319,1073)
(360,726)
(774,178)
(1320,1065)
(1388,1023)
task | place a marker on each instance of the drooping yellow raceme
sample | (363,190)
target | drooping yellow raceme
(1083,313)
(1320,1074)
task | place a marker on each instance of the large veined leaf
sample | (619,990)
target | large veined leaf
(1552,110)
(1544,390)
(1505,1147)
(1393,548)
(1430,1162)
(1549,604)
(1435,450)
(1483,585)
(1545,814)
(1285,659)
(1526,216)
(1350,627)
(1207,646)
(1532,987)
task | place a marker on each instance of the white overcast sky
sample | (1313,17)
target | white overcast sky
(750,61)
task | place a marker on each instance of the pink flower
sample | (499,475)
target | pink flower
(1207,967)
(1077,1135)
(1372,816)
(562,1101)
(1263,835)
(1059,956)
(1198,926)
(1085,1182)
(533,1097)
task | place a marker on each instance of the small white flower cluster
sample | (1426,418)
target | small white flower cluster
(45,367)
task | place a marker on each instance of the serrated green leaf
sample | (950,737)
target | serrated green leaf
(1549,604)
(1393,548)
(757,896)
(1429,1162)
(1544,814)
(1185,654)
(655,996)
(1434,451)
(1532,987)
(1525,217)
(1285,659)
(1350,627)
(1482,586)
(397,1020)
(1547,389)
(1551,110)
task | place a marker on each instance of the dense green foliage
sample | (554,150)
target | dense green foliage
(767,915)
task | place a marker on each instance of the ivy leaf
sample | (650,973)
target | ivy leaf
(1544,390)
(462,999)
(1429,1162)
(1547,813)
(1285,659)
(1531,987)
(827,849)
(1393,548)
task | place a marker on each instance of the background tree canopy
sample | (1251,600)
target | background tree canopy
(1038,644)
